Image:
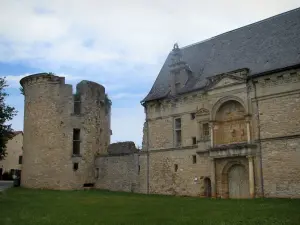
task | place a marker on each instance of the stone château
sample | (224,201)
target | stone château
(222,120)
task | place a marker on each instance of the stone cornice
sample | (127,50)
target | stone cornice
(276,95)
(170,149)
(233,146)
(294,136)
(278,79)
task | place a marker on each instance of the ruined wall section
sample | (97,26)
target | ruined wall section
(49,120)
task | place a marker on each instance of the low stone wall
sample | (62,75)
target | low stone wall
(119,170)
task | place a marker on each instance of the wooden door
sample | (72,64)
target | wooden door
(207,187)
(238,182)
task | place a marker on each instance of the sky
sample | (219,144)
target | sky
(121,44)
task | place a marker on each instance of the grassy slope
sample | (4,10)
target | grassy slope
(23,207)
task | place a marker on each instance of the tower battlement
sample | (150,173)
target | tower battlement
(42,78)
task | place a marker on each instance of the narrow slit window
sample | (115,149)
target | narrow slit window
(20,159)
(194,140)
(97,173)
(194,159)
(176,167)
(75,166)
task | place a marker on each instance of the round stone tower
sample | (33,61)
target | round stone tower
(62,132)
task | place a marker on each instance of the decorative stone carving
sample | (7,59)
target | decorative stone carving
(202,112)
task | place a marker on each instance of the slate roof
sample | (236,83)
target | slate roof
(267,45)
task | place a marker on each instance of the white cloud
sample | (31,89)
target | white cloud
(132,31)
(120,44)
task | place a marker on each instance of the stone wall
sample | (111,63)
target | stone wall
(117,173)
(186,179)
(119,169)
(281,168)
(49,120)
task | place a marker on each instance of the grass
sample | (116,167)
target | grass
(20,206)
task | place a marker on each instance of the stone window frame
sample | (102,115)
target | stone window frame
(202,136)
(76,141)
(77,104)
(176,131)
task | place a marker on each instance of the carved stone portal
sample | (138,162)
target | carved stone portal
(230,124)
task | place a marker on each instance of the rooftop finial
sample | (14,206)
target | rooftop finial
(176,54)
(175,46)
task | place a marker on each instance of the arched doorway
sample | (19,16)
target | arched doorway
(207,187)
(238,184)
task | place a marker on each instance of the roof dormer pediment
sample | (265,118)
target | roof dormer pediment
(228,79)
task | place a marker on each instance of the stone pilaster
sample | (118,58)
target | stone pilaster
(251,177)
(213,178)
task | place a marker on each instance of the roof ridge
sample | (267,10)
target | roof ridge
(251,24)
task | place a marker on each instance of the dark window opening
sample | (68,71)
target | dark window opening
(76,141)
(77,104)
(20,159)
(75,166)
(88,185)
(194,159)
(139,169)
(175,167)
(193,116)
(97,173)
(194,140)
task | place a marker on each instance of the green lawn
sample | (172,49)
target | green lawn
(35,207)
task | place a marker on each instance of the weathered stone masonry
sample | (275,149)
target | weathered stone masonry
(49,123)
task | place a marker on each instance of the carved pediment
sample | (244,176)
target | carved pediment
(227,79)
(202,112)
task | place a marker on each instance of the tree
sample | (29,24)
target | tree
(107,103)
(6,114)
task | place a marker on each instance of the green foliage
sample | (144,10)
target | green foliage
(22,90)
(7,176)
(107,103)
(45,207)
(6,114)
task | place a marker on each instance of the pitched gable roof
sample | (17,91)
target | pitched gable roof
(267,45)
